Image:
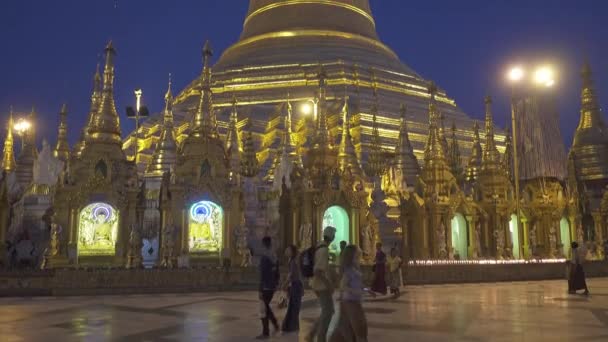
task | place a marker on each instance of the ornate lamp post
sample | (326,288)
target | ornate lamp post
(542,77)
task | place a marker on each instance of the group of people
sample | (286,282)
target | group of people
(314,263)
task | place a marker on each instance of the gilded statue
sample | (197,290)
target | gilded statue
(134,259)
(441,242)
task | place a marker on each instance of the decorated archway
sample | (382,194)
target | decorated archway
(514,231)
(459,236)
(337,217)
(97,230)
(205,224)
(564,229)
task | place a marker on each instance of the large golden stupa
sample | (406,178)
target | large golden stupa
(282,48)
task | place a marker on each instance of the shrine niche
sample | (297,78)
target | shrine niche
(97,230)
(337,217)
(205,223)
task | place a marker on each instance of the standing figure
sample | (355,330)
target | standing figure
(305,236)
(295,290)
(323,287)
(478,240)
(394,272)
(576,280)
(351,323)
(441,244)
(379,284)
(269,279)
(367,240)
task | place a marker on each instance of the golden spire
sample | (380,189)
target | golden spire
(491,156)
(474,163)
(590,145)
(442,135)
(105,124)
(165,154)
(376,164)
(454,154)
(507,161)
(62,149)
(95,100)
(249,162)
(434,152)
(405,160)
(205,121)
(286,151)
(322,133)
(233,141)
(8,156)
(347,156)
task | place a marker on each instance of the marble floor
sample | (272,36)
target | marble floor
(527,311)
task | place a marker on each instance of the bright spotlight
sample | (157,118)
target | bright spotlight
(516,74)
(544,76)
(306,109)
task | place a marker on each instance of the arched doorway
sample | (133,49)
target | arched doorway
(459,236)
(337,217)
(564,229)
(97,230)
(513,229)
(205,226)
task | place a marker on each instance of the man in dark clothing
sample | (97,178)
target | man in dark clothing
(269,279)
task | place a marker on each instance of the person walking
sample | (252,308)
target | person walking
(269,279)
(576,280)
(323,287)
(295,291)
(379,283)
(351,322)
(394,272)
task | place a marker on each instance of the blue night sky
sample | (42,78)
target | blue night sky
(51,49)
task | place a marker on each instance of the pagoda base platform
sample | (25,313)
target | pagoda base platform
(83,282)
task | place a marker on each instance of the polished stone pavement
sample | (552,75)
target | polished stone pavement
(526,311)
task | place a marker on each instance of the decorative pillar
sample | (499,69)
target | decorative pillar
(525,232)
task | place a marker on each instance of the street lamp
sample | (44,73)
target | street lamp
(137,114)
(542,77)
(21,127)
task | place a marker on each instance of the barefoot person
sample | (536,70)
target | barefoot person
(269,278)
(379,284)
(576,280)
(323,287)
(295,291)
(352,324)
(394,272)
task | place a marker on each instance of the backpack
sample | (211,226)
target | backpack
(307,261)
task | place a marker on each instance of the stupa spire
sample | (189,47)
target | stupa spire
(589,150)
(405,160)
(322,133)
(8,155)
(474,164)
(347,155)
(434,152)
(233,141)
(105,124)
(491,156)
(95,101)
(205,121)
(165,154)
(376,160)
(454,154)
(507,161)
(62,149)
(591,127)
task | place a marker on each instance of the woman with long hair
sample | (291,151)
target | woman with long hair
(576,280)
(351,323)
(295,290)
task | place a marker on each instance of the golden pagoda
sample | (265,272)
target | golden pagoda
(344,42)
(95,101)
